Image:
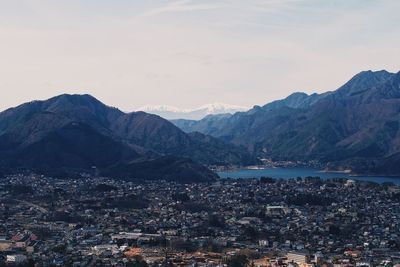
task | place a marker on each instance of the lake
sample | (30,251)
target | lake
(288,173)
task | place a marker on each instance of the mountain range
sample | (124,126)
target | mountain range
(172,113)
(75,133)
(354,127)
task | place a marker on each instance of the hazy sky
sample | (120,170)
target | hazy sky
(130,53)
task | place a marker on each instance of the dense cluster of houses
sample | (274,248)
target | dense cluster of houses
(104,222)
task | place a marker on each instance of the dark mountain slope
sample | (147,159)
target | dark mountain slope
(224,125)
(146,133)
(362,82)
(342,125)
(207,125)
(168,168)
(356,126)
(361,124)
(151,132)
(74,146)
(157,134)
(78,132)
(296,100)
(220,150)
(31,121)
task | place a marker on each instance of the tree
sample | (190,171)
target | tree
(137,261)
(238,261)
(30,263)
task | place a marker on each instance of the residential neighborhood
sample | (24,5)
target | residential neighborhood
(46,221)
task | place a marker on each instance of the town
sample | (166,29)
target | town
(93,221)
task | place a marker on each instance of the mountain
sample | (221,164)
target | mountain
(173,113)
(296,100)
(356,126)
(168,168)
(215,124)
(77,132)
(207,125)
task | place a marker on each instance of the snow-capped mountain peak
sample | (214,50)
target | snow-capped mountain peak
(218,108)
(171,113)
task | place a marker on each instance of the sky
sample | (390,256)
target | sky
(186,53)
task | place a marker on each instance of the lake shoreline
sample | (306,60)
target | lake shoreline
(347,172)
(292,173)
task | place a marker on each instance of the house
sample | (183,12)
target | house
(298,257)
(16,259)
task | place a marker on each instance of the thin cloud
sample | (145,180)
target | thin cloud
(181,6)
(234,51)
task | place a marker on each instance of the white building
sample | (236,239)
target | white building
(298,257)
(17,258)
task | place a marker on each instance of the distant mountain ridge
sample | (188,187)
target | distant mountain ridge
(355,127)
(77,132)
(172,113)
(212,124)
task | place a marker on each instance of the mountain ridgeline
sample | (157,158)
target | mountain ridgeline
(355,127)
(171,113)
(75,133)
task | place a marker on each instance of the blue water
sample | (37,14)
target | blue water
(288,173)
